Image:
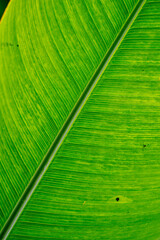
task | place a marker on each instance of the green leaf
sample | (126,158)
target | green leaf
(103,182)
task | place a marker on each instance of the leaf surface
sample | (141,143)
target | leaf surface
(49,52)
(104,181)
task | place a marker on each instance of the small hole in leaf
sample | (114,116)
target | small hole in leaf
(117,199)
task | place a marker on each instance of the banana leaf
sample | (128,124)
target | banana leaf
(80,100)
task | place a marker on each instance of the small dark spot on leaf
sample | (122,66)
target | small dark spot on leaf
(117,199)
(144,145)
(17,45)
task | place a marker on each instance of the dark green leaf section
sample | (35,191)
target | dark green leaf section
(104,182)
(3,5)
(49,50)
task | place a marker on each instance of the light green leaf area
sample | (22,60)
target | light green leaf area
(49,51)
(104,182)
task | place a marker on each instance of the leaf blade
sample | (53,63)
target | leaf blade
(36,104)
(121,110)
(114,156)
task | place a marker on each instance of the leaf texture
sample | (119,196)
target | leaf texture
(104,180)
(49,51)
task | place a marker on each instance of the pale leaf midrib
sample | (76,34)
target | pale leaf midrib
(67,125)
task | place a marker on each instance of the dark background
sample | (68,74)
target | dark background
(3,5)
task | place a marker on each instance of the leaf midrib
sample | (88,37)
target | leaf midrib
(67,125)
